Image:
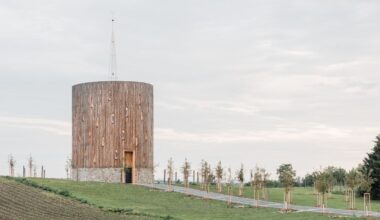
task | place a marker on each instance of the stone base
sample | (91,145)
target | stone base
(111,175)
(144,176)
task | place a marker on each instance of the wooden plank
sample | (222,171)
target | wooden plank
(109,118)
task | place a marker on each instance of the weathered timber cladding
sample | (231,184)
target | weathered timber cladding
(110,118)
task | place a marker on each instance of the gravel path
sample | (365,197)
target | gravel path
(262,203)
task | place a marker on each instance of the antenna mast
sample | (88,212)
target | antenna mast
(112,67)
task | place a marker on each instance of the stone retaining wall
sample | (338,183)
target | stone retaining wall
(110,175)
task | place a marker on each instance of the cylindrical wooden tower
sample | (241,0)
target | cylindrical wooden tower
(112,132)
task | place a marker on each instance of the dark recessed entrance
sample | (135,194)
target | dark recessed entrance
(128,167)
(128,175)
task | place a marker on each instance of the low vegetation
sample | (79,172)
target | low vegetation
(28,200)
(306,196)
(162,204)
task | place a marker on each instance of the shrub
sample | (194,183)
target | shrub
(64,193)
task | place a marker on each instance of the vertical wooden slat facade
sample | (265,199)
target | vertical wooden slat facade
(109,119)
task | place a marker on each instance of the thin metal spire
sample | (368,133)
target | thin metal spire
(112,67)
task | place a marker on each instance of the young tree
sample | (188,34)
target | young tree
(286,176)
(219,176)
(12,164)
(30,165)
(68,167)
(34,170)
(322,184)
(42,171)
(257,182)
(353,179)
(170,170)
(366,179)
(186,173)
(240,177)
(230,182)
(251,171)
(366,186)
(372,162)
(265,177)
(207,175)
(329,174)
(202,172)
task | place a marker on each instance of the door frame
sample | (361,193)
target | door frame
(133,165)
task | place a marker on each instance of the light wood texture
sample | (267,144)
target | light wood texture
(128,159)
(110,118)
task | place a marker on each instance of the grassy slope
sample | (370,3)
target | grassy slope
(141,199)
(18,201)
(303,196)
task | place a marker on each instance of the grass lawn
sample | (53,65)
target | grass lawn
(177,205)
(19,201)
(301,196)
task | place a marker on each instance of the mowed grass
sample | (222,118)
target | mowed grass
(18,201)
(179,206)
(300,196)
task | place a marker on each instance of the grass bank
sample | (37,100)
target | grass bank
(160,203)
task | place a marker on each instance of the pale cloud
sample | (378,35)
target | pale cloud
(299,52)
(349,64)
(170,106)
(238,106)
(314,132)
(51,126)
(220,105)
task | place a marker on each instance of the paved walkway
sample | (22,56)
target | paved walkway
(262,203)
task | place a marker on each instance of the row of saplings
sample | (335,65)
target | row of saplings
(31,164)
(355,180)
(323,182)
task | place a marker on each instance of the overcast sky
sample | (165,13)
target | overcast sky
(252,82)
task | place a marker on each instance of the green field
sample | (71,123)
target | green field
(301,196)
(159,203)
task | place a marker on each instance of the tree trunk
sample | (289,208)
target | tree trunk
(229,189)
(241,189)
(219,185)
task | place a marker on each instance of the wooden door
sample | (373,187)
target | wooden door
(128,159)
(129,165)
